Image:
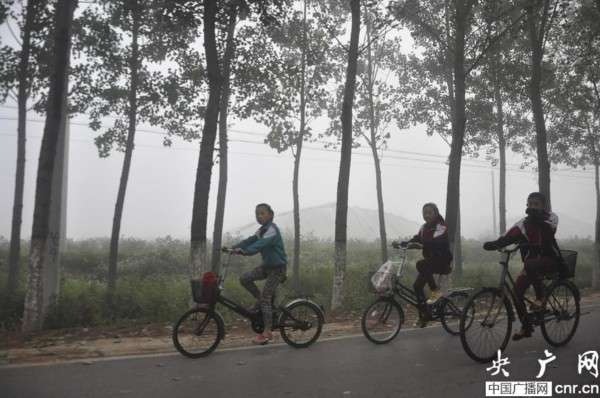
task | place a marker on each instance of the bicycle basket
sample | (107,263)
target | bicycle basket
(205,290)
(569,261)
(382,280)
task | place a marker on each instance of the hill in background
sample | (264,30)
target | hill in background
(319,221)
(363,224)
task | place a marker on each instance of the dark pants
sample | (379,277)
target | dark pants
(274,276)
(533,271)
(427,267)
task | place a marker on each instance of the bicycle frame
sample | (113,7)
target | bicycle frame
(239,309)
(507,285)
(402,291)
(228,303)
(405,293)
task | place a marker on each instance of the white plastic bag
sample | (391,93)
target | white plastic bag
(383,279)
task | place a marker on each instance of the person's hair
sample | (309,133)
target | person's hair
(267,207)
(538,196)
(433,206)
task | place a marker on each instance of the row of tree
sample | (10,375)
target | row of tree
(485,76)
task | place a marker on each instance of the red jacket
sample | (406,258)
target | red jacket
(538,233)
(434,239)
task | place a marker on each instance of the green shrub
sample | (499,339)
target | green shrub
(153,283)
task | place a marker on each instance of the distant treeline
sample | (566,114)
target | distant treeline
(155,285)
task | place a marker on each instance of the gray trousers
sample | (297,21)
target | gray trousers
(273,277)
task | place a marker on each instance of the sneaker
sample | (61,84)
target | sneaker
(420,323)
(521,334)
(261,339)
(435,296)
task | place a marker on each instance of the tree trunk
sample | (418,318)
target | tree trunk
(341,214)
(199,261)
(224,108)
(380,207)
(502,152)
(33,312)
(536,40)
(296,199)
(57,220)
(494,217)
(458,126)
(14,260)
(457,250)
(596,267)
(297,156)
(134,62)
(374,124)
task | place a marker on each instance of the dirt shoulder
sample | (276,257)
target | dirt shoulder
(54,346)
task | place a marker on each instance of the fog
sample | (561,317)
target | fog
(160,191)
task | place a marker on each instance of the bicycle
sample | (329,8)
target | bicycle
(490,313)
(382,320)
(200,330)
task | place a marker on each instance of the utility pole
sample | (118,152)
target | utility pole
(494,204)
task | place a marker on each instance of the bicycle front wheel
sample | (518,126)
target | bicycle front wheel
(452,309)
(485,324)
(382,320)
(198,332)
(561,314)
(301,324)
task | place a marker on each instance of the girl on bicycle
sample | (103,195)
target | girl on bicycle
(437,258)
(268,242)
(540,255)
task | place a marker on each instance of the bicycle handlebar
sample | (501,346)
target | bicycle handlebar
(228,250)
(513,250)
(408,247)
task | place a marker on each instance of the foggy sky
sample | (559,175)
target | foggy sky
(160,192)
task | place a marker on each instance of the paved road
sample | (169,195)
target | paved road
(419,363)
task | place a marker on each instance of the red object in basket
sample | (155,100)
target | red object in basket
(209,287)
(206,289)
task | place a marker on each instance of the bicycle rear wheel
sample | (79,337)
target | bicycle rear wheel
(198,332)
(382,320)
(485,324)
(451,312)
(561,314)
(301,324)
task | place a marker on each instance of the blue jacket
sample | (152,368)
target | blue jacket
(268,241)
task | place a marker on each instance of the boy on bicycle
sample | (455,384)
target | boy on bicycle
(268,242)
(540,255)
(433,237)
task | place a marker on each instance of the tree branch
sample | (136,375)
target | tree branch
(444,138)
(492,42)
(366,138)
(597,95)
(12,95)
(381,34)
(10,29)
(544,36)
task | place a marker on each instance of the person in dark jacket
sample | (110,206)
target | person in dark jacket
(540,254)
(268,242)
(437,258)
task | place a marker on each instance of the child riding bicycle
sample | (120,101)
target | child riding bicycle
(268,242)
(541,254)
(433,238)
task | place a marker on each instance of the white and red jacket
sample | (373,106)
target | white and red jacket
(537,232)
(434,238)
